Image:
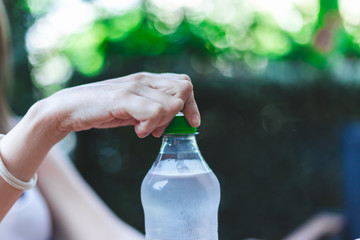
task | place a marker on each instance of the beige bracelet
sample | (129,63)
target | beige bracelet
(12,180)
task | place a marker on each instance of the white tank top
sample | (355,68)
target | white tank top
(28,219)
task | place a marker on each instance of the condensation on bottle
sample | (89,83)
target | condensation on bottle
(180,194)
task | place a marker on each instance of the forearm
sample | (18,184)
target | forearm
(23,150)
(78,212)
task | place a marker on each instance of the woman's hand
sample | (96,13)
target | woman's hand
(147,101)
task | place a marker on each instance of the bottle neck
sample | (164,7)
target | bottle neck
(179,154)
(179,143)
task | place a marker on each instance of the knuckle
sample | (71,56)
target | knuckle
(142,75)
(188,86)
(174,106)
(178,104)
(158,109)
(186,77)
(132,86)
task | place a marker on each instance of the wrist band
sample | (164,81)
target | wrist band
(12,180)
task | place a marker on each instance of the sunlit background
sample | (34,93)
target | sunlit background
(275,81)
(247,38)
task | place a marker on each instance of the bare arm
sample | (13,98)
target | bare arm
(320,226)
(77,211)
(147,101)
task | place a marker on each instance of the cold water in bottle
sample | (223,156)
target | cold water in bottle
(180,194)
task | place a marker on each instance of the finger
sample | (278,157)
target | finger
(191,112)
(172,86)
(177,76)
(116,122)
(172,105)
(160,130)
(146,112)
(178,85)
(184,90)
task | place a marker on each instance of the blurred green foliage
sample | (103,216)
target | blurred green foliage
(247,45)
(273,97)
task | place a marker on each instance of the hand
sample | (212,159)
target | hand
(147,101)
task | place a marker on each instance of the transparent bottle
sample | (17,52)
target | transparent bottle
(180,194)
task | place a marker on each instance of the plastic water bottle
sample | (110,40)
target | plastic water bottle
(180,194)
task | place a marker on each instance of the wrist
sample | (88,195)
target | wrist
(12,180)
(45,118)
(26,145)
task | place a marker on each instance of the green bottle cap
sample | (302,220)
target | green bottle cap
(179,125)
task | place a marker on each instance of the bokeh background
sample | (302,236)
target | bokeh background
(276,82)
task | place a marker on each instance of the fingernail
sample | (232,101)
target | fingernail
(196,120)
(140,131)
(138,128)
(144,135)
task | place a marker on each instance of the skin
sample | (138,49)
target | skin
(145,100)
